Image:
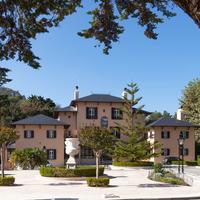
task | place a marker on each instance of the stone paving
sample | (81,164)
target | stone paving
(126,183)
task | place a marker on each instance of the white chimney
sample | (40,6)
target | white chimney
(179,114)
(125,93)
(76,93)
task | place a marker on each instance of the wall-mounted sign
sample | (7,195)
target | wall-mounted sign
(104,122)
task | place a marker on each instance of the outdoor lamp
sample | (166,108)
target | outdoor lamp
(44,148)
(181,153)
(181,141)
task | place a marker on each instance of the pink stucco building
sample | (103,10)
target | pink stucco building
(99,110)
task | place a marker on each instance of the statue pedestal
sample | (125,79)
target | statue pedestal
(71,148)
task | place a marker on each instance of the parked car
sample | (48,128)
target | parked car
(168,160)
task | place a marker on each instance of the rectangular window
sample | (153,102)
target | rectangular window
(116,113)
(51,133)
(165,134)
(116,132)
(51,154)
(165,152)
(86,153)
(184,135)
(28,134)
(91,113)
(184,151)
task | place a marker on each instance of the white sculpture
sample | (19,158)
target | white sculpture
(72,148)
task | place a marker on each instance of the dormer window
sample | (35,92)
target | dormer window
(91,113)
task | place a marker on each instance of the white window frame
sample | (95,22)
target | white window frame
(51,154)
(91,112)
(184,151)
(51,134)
(184,134)
(117,113)
(165,134)
(29,133)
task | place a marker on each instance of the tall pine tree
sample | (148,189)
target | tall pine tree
(135,147)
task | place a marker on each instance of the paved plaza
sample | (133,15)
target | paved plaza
(126,183)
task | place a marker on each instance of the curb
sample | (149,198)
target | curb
(170,198)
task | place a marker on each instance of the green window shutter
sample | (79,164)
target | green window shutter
(47,134)
(55,154)
(25,136)
(112,113)
(32,134)
(96,113)
(87,113)
(48,154)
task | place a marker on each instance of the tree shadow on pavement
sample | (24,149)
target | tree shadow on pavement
(60,184)
(156,185)
(59,199)
(111,177)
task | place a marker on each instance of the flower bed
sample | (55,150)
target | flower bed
(161,175)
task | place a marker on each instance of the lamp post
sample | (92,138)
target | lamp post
(181,155)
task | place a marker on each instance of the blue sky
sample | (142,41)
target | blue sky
(162,68)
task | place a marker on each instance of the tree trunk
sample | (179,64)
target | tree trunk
(97,154)
(2,159)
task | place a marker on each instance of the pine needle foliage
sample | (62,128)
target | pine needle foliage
(135,147)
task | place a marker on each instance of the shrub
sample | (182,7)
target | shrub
(133,164)
(56,172)
(63,172)
(175,162)
(7,180)
(29,158)
(97,182)
(167,177)
(198,160)
(191,163)
(88,171)
(158,168)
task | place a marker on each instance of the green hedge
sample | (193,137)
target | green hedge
(98,182)
(133,164)
(7,180)
(191,163)
(198,160)
(63,172)
(175,162)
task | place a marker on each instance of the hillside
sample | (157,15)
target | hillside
(10,92)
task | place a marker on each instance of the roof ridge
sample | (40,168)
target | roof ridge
(171,121)
(39,119)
